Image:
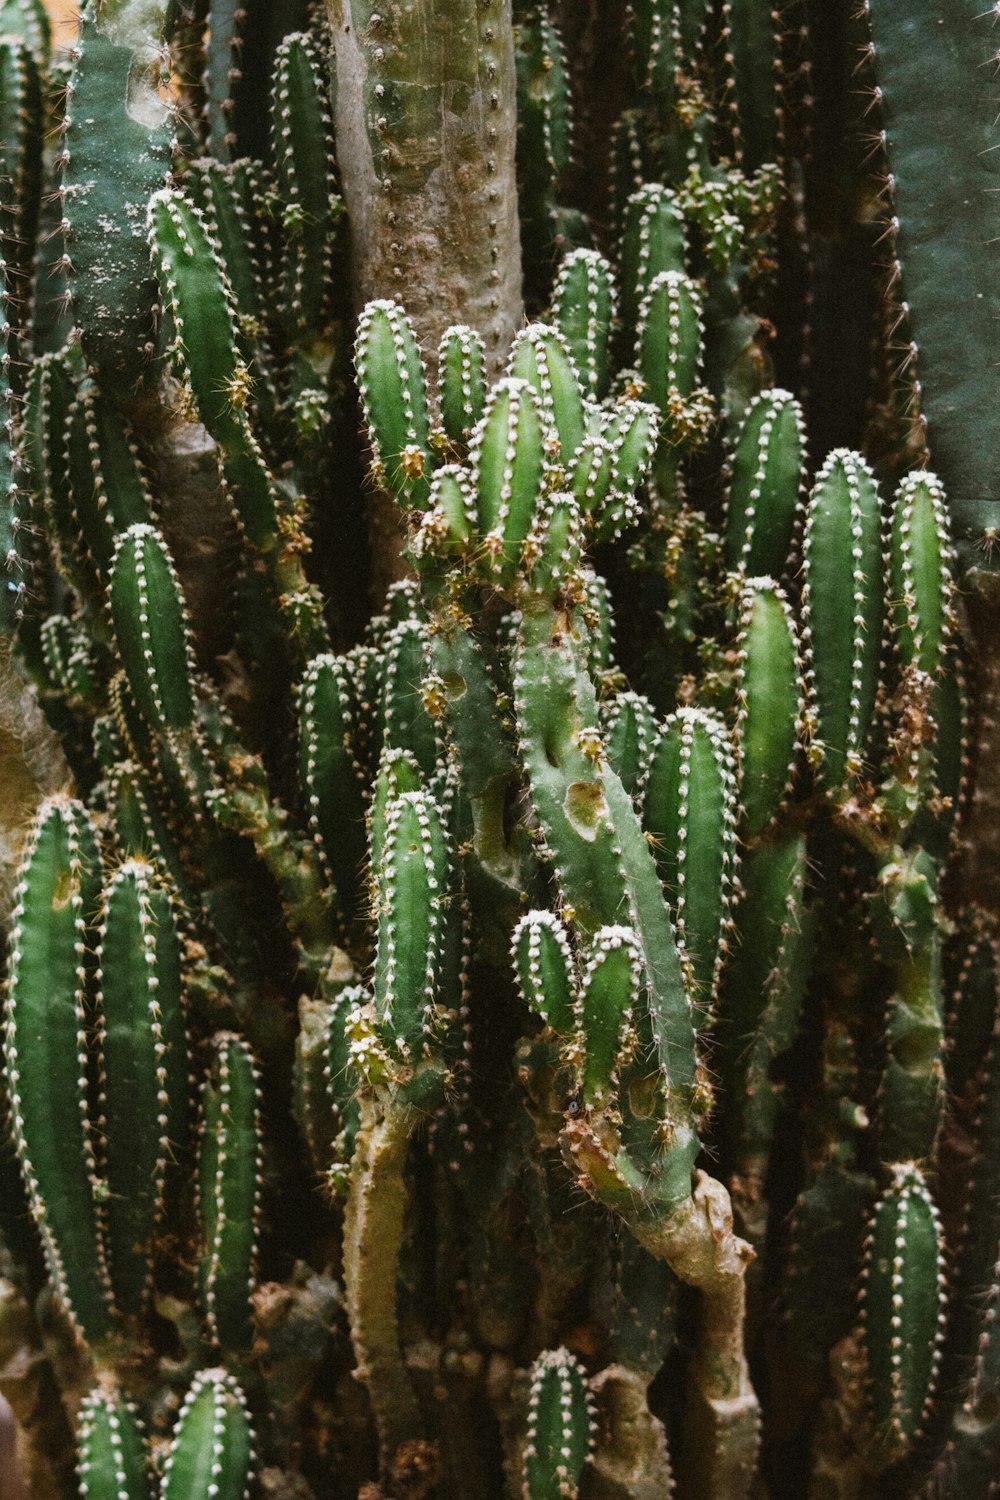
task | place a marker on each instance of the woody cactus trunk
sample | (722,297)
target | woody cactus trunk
(498,697)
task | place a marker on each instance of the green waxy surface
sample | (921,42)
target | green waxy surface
(331,777)
(942,136)
(110,175)
(583,307)
(688,810)
(609,994)
(211,1451)
(920,574)
(462,378)
(560,1427)
(144,1070)
(544,968)
(508,462)
(843,541)
(392,382)
(770,702)
(228,1178)
(151,629)
(767,467)
(411,889)
(45,1064)
(111,1459)
(902,1300)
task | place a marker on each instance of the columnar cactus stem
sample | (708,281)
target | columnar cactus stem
(425,142)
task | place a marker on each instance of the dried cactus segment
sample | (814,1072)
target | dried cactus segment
(771,702)
(765,484)
(211,1454)
(560,1428)
(902,1308)
(583,309)
(111,1456)
(843,626)
(144,1072)
(689,813)
(46,1061)
(229,1193)
(393,390)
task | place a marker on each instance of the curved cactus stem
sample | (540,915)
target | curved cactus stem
(631,1460)
(373,1233)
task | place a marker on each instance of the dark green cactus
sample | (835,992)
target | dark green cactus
(504,932)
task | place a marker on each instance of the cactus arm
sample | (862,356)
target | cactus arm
(752,35)
(144,1071)
(229,1190)
(560,1428)
(45,1061)
(111,1461)
(584,307)
(425,137)
(771,702)
(843,629)
(108,177)
(902,1309)
(211,1454)
(766,478)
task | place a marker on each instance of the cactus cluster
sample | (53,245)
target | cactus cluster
(493,1005)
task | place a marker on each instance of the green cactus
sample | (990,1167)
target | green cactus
(542,821)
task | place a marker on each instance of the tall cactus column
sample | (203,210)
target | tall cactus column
(425,125)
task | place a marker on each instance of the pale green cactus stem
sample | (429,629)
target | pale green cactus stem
(508,460)
(408,159)
(842,627)
(229,1193)
(211,1454)
(541,357)
(560,1435)
(111,1456)
(143,1080)
(462,379)
(584,308)
(46,1061)
(332,777)
(543,964)
(902,1311)
(393,388)
(606,1011)
(653,242)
